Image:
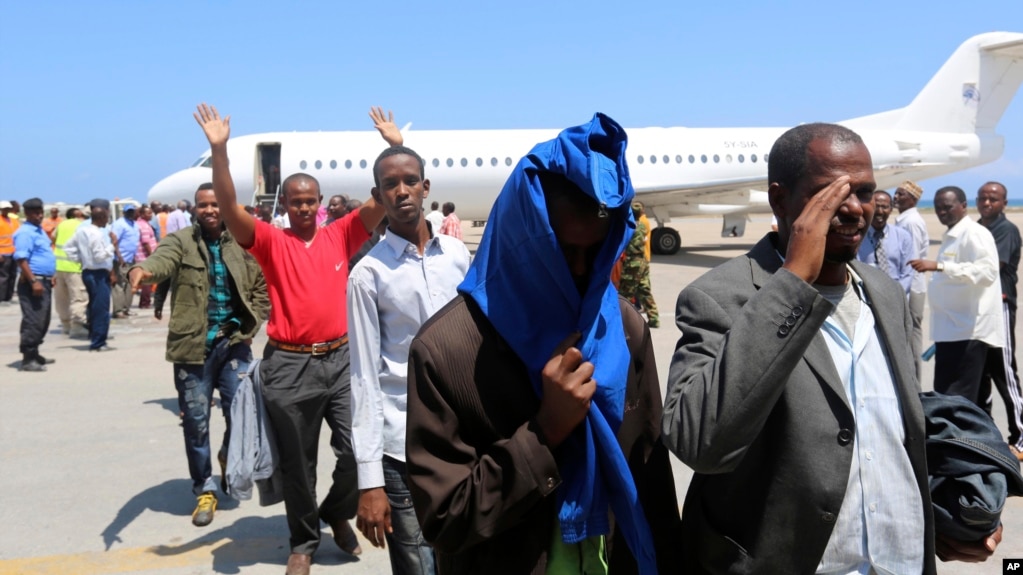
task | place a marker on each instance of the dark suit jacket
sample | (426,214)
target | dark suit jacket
(482,478)
(756,407)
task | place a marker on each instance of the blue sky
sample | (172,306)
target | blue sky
(97,97)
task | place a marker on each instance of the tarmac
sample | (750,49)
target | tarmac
(93,476)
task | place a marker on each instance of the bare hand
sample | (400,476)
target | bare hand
(158,313)
(568,386)
(808,235)
(948,549)
(374,517)
(113,278)
(386,126)
(217,130)
(924,265)
(138,275)
(37,288)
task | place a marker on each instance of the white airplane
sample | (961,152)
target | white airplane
(949,126)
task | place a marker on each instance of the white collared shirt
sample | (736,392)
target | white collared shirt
(91,246)
(391,292)
(966,298)
(880,527)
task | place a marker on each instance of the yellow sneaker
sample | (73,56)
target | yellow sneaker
(204,509)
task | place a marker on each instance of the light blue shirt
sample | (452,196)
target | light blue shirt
(899,249)
(880,526)
(31,243)
(128,237)
(392,291)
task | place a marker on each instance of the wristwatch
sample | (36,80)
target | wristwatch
(940,267)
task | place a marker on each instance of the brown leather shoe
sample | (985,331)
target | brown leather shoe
(298,564)
(346,538)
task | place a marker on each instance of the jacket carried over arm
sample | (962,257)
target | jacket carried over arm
(182,258)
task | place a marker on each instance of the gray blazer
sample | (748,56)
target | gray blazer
(757,409)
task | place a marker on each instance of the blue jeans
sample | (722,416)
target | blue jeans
(97,284)
(409,552)
(224,368)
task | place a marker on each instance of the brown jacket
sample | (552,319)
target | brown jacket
(481,477)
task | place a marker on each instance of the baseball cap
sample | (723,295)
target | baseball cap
(5,205)
(129,208)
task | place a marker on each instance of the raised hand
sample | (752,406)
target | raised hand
(386,126)
(808,235)
(217,129)
(568,386)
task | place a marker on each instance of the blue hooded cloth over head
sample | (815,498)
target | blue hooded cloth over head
(520,279)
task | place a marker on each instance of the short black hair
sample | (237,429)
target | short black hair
(397,151)
(434,205)
(787,163)
(885,192)
(295,178)
(206,186)
(32,204)
(70,213)
(959,193)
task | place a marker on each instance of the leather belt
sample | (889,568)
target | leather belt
(314,349)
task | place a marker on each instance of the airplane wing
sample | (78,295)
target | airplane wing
(725,191)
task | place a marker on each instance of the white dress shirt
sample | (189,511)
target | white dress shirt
(912,220)
(436,218)
(391,293)
(91,247)
(966,298)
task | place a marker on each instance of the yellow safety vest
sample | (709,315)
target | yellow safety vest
(65,230)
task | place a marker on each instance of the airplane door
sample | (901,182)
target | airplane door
(268,173)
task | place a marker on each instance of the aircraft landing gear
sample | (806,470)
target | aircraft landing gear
(665,241)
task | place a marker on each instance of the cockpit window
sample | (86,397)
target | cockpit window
(204,161)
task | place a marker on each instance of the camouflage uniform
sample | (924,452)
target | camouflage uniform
(635,282)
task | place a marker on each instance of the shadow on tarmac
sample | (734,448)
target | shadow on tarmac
(172,496)
(168,403)
(246,545)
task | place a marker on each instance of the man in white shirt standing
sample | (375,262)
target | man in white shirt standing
(435,217)
(909,218)
(966,298)
(410,274)
(93,245)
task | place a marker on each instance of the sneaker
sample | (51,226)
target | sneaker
(31,366)
(204,509)
(222,460)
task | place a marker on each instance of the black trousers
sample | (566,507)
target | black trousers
(1001,370)
(958,367)
(300,391)
(35,318)
(8,275)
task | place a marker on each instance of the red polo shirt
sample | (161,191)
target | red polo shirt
(307,284)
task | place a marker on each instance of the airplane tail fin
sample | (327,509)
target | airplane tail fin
(968,94)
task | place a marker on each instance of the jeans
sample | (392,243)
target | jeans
(409,552)
(225,366)
(97,283)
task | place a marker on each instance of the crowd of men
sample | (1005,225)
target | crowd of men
(486,420)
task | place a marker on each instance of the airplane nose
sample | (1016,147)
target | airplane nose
(180,185)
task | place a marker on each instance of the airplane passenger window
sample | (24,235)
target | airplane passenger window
(507,161)
(741,158)
(362,164)
(639,159)
(703,158)
(728,158)
(464,162)
(665,159)
(753,158)
(348,164)
(333,164)
(450,162)
(717,158)
(436,163)
(479,162)
(318,164)
(765,157)
(692,159)
(678,159)
(653,159)
(493,161)
(302,164)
